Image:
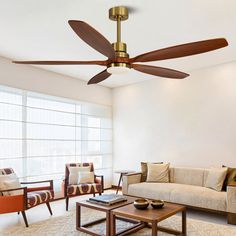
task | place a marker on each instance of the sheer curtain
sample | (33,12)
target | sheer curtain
(40,133)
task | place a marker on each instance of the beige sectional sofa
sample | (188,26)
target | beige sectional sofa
(186,187)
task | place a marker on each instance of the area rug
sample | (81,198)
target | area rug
(65,226)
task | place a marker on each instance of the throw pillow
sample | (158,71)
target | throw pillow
(86,177)
(74,173)
(215,178)
(12,184)
(7,178)
(144,170)
(158,173)
(230,177)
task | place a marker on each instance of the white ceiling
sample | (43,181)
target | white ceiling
(38,30)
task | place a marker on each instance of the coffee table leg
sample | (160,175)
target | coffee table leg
(78,215)
(113,225)
(108,219)
(184,223)
(154,228)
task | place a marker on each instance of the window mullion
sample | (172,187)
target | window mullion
(24,134)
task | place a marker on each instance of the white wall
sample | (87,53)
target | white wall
(38,80)
(189,122)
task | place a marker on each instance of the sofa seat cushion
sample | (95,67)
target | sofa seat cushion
(180,193)
(151,190)
(38,197)
(84,189)
(199,197)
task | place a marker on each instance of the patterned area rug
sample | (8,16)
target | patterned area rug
(65,225)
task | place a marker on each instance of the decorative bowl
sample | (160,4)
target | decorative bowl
(141,203)
(157,204)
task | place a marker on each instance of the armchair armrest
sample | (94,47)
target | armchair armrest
(14,189)
(101,180)
(48,187)
(231,197)
(128,179)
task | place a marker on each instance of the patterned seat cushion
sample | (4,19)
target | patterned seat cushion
(6,171)
(84,189)
(38,197)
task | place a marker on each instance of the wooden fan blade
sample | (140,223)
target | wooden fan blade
(182,50)
(99,77)
(160,71)
(93,38)
(101,63)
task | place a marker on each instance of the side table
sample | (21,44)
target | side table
(122,172)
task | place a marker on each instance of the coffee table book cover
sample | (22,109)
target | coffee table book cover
(108,199)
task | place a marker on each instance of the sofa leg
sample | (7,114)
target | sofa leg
(231,218)
(67,203)
(100,193)
(49,208)
(25,219)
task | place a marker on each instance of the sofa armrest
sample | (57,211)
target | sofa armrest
(231,197)
(128,179)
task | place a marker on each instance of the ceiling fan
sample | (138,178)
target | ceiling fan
(118,59)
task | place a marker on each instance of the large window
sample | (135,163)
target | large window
(40,133)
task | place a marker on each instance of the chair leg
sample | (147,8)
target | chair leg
(100,193)
(18,213)
(94,194)
(67,203)
(49,208)
(25,219)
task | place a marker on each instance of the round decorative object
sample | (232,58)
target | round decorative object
(157,204)
(141,203)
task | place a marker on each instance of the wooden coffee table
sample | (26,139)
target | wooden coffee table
(148,216)
(103,208)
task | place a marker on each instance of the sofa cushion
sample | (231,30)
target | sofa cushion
(215,178)
(199,197)
(180,193)
(151,190)
(185,175)
(230,177)
(158,173)
(144,170)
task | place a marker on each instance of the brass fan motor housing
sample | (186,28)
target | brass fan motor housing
(120,49)
(121,12)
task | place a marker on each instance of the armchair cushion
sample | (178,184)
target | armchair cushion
(84,189)
(6,183)
(74,173)
(86,177)
(38,197)
(12,184)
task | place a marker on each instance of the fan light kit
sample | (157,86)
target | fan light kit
(118,61)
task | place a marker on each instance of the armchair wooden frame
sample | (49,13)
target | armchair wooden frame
(97,179)
(18,203)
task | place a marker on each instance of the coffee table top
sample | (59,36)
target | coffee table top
(149,214)
(103,207)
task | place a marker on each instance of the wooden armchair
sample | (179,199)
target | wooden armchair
(29,198)
(72,190)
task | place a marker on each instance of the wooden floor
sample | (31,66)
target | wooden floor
(40,213)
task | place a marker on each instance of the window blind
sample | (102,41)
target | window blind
(39,134)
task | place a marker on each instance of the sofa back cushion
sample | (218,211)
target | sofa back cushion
(186,175)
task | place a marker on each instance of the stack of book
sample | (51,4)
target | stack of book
(108,199)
